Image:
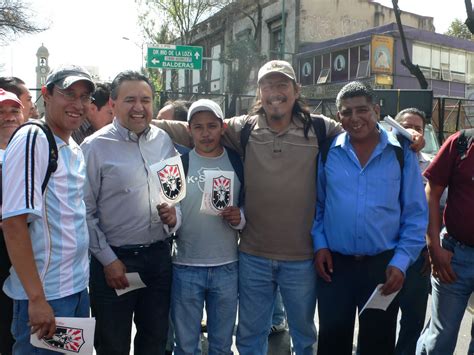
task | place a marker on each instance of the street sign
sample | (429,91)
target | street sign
(168,56)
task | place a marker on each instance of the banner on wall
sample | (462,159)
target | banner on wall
(382,54)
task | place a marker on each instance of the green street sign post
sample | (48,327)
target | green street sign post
(168,56)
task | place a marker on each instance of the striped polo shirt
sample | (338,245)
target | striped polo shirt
(57,218)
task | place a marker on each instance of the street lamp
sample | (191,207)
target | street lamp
(141,51)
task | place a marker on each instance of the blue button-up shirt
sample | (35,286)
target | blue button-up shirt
(371,209)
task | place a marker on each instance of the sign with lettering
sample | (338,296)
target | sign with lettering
(169,56)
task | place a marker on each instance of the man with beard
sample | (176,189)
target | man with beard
(128,228)
(275,247)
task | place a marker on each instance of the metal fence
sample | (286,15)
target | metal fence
(240,106)
(448,115)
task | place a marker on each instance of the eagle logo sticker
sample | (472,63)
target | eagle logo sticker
(218,191)
(221,192)
(70,339)
(171,181)
(72,336)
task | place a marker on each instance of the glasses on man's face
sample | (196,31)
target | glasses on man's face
(70,96)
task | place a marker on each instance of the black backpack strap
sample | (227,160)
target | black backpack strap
(324,148)
(185,161)
(236,162)
(53,148)
(245,134)
(399,151)
(464,142)
(319,127)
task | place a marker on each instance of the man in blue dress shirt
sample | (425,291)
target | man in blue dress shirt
(369,227)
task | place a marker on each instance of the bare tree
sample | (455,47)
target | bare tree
(179,19)
(15,20)
(413,68)
(180,15)
(245,54)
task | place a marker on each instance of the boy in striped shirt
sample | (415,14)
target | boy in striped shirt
(46,232)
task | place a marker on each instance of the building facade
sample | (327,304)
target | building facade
(375,56)
(278,29)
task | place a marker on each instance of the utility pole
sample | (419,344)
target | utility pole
(282,44)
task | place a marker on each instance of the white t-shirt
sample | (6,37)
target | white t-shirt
(57,218)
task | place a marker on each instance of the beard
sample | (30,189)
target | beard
(276,116)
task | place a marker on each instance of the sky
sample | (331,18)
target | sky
(84,32)
(89,33)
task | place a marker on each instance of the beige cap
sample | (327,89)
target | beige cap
(276,66)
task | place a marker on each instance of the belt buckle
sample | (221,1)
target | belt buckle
(359,257)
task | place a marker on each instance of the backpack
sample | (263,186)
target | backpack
(53,148)
(317,121)
(464,142)
(236,163)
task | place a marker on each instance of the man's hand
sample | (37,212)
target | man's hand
(418,140)
(41,316)
(394,280)
(323,261)
(232,215)
(115,275)
(441,264)
(167,214)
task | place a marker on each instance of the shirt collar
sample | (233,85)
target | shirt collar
(128,135)
(385,138)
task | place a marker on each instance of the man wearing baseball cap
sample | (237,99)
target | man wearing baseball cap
(46,233)
(205,260)
(275,249)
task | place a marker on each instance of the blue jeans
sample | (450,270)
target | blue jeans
(216,288)
(258,281)
(278,311)
(76,305)
(413,300)
(449,302)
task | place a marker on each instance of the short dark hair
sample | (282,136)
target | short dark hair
(12,84)
(355,89)
(180,108)
(413,111)
(101,94)
(128,75)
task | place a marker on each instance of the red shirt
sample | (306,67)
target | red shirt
(447,169)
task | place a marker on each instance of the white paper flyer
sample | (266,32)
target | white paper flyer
(171,180)
(379,301)
(218,191)
(72,336)
(134,281)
